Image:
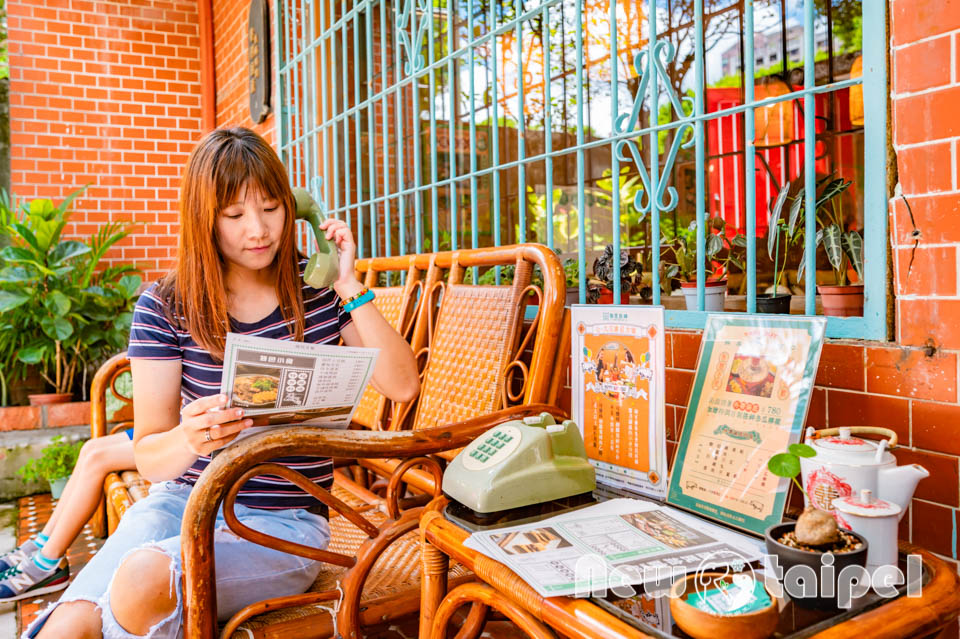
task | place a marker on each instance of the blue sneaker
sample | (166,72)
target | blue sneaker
(16,556)
(29,580)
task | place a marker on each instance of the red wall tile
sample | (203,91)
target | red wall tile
(920,65)
(937,427)
(841,366)
(846,408)
(943,484)
(925,321)
(909,372)
(933,526)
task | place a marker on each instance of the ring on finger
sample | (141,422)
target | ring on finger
(207,437)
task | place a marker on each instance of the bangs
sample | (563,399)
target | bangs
(241,163)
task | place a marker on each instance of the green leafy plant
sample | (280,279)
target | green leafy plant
(57,310)
(787,464)
(842,245)
(779,227)
(814,527)
(717,262)
(55,462)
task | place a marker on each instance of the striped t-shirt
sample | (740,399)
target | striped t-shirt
(152,336)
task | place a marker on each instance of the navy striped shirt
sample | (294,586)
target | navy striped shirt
(152,336)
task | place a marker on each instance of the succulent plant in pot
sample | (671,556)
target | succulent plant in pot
(815,533)
(603,271)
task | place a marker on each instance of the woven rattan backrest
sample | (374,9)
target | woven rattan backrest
(398,305)
(478,334)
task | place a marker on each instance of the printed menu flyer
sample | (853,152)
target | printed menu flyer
(280,382)
(618,394)
(612,544)
(749,401)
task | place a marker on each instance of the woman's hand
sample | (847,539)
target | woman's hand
(207,426)
(338,231)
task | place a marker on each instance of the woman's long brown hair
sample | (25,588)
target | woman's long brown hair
(221,164)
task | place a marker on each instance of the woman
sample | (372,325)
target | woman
(237,267)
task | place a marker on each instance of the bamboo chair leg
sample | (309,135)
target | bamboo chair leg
(482,593)
(434,566)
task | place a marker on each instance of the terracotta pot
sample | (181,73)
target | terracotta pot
(714,294)
(842,301)
(50,398)
(606,296)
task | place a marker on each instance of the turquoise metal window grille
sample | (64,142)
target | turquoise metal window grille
(379,103)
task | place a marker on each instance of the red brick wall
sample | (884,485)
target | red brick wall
(108,93)
(230,20)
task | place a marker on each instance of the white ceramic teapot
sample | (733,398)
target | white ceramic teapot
(845,464)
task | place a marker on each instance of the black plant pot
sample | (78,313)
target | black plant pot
(774,304)
(788,557)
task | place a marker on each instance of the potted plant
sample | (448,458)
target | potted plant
(815,532)
(54,465)
(716,262)
(777,302)
(603,271)
(58,312)
(842,244)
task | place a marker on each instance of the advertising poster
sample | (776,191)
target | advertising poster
(618,401)
(749,401)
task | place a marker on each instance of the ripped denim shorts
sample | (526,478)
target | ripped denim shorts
(246,572)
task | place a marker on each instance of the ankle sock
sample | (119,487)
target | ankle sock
(40,540)
(41,561)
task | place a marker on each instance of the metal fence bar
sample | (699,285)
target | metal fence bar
(495,135)
(809,162)
(547,119)
(398,136)
(614,159)
(434,195)
(700,151)
(581,200)
(346,123)
(473,135)
(654,147)
(452,120)
(313,147)
(361,252)
(521,131)
(371,134)
(385,133)
(750,157)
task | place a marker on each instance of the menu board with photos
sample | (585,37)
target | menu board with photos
(749,401)
(617,375)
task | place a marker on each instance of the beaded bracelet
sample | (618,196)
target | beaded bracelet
(352,298)
(356,303)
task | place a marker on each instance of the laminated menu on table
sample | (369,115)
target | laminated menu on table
(280,382)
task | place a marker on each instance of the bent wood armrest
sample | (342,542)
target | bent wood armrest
(199,520)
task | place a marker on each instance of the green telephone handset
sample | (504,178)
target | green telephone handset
(324,265)
(520,463)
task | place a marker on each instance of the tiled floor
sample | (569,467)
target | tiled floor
(34,512)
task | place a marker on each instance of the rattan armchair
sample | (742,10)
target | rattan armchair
(484,363)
